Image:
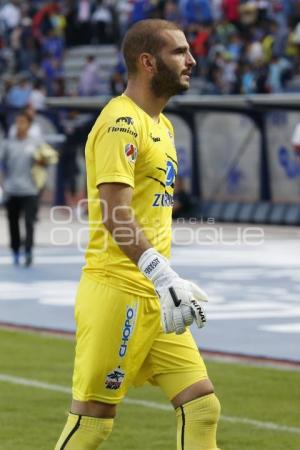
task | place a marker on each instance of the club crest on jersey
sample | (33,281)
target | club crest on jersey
(114,379)
(131,152)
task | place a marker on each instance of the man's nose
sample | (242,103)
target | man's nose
(191,61)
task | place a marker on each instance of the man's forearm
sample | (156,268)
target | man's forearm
(128,235)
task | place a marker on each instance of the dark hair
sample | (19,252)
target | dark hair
(24,113)
(38,83)
(144,36)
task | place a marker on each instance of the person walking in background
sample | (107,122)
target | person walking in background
(34,131)
(133,311)
(20,190)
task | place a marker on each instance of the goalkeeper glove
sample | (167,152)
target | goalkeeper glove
(179,299)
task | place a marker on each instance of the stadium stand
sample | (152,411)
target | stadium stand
(241,46)
(52,50)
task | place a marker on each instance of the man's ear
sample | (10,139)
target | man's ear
(148,62)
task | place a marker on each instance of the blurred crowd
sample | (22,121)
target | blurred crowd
(241,46)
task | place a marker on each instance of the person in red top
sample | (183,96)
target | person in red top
(231,10)
(200,46)
(200,43)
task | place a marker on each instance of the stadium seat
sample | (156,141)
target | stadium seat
(230,212)
(292,215)
(204,207)
(277,213)
(245,212)
(261,212)
(215,211)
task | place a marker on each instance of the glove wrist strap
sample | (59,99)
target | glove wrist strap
(152,263)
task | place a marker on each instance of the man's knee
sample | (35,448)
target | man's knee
(89,424)
(84,433)
(197,423)
(195,390)
(212,409)
(206,409)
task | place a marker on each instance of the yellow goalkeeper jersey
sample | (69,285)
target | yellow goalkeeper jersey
(127,146)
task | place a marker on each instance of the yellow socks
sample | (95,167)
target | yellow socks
(84,433)
(196,427)
(197,424)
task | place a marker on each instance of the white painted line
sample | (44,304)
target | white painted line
(186,257)
(263,425)
(152,405)
(34,383)
(282,328)
(291,312)
(53,260)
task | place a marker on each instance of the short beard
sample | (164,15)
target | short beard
(166,82)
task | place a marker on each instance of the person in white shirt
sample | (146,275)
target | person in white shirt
(20,189)
(34,132)
(37,98)
(10,14)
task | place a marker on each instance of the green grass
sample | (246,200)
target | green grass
(32,418)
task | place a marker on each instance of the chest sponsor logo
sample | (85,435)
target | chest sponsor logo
(163,200)
(131,152)
(170,173)
(114,379)
(127,330)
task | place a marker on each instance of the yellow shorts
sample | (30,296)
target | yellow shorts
(119,343)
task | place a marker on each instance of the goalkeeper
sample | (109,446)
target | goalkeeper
(132,310)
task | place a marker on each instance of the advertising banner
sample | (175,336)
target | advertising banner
(284,162)
(229,155)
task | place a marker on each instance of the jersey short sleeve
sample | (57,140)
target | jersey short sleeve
(116,148)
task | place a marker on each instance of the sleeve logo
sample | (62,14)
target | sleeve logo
(126,119)
(131,152)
